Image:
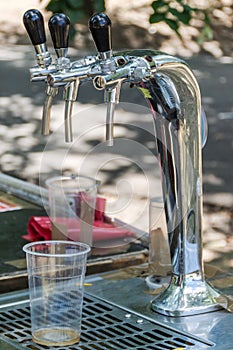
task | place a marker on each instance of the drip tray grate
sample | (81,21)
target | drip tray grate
(104,326)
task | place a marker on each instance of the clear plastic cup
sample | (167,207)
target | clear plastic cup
(72,207)
(56,272)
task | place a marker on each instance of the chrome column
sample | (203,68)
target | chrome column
(174,99)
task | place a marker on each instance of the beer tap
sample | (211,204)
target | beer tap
(59,26)
(172,93)
(100,27)
(34,24)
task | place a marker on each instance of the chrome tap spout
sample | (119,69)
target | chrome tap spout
(111,97)
(46,115)
(70,95)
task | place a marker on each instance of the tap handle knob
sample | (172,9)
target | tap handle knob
(100,27)
(59,26)
(34,24)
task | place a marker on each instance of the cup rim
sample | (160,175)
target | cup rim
(51,182)
(54,242)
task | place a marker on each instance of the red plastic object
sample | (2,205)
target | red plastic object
(40,228)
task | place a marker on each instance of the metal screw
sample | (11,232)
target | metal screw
(149,58)
(121,61)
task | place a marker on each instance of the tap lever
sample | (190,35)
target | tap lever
(34,24)
(100,27)
(59,26)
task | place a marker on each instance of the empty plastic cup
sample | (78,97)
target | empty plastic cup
(56,272)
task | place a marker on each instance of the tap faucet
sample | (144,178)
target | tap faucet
(100,28)
(59,27)
(171,90)
(34,23)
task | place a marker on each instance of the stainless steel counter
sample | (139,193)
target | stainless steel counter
(126,298)
(133,293)
(117,315)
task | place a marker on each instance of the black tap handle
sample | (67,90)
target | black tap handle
(100,27)
(34,24)
(59,26)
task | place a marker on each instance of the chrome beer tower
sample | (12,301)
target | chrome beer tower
(173,96)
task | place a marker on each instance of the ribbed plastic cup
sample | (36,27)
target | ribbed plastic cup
(72,207)
(56,272)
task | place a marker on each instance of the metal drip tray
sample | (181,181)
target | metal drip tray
(104,326)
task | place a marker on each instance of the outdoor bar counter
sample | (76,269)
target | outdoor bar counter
(117,312)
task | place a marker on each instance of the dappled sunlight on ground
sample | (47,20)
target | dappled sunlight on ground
(218,238)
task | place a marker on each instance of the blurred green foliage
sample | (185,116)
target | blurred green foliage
(177,12)
(79,11)
(172,12)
